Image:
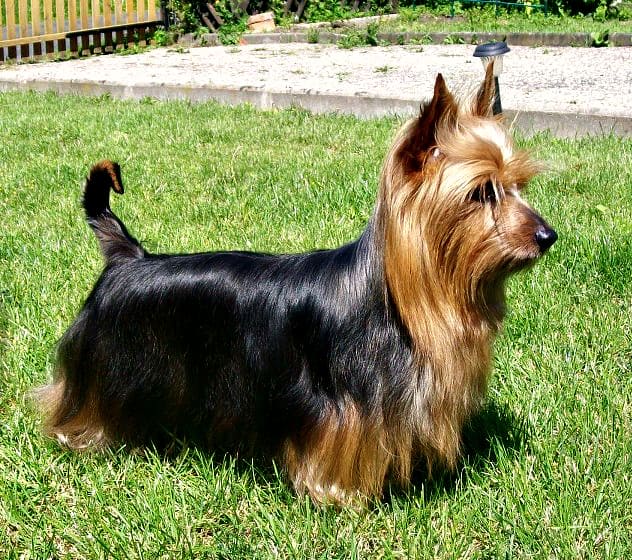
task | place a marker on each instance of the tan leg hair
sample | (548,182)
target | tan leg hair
(345,460)
(84,430)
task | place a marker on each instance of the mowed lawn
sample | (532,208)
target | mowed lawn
(548,472)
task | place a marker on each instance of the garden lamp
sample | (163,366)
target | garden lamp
(492,53)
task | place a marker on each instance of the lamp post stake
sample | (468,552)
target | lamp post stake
(492,53)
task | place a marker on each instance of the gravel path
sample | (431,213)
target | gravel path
(584,81)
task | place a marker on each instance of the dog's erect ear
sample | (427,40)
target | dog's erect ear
(484,100)
(421,136)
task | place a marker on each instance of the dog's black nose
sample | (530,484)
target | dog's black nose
(545,237)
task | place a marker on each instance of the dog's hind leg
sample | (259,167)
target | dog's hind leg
(68,404)
(74,424)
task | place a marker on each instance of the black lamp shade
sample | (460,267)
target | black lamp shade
(491,49)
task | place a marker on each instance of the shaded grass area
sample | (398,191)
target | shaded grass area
(548,469)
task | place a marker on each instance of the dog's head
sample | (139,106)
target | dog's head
(452,211)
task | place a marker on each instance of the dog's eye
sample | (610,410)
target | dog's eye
(484,194)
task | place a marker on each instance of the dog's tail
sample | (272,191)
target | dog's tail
(116,243)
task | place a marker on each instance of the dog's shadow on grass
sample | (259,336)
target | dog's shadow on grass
(494,432)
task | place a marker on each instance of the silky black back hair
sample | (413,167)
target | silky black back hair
(250,342)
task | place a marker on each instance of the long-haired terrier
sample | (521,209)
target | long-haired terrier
(346,365)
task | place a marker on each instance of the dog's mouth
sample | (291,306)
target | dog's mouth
(543,240)
(524,262)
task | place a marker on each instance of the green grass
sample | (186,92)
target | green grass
(472,18)
(486,19)
(549,472)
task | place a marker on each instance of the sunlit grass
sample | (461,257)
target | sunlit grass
(549,472)
(471,18)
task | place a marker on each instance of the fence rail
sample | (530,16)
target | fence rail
(30,29)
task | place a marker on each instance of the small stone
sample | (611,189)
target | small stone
(261,23)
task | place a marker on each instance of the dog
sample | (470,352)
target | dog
(348,366)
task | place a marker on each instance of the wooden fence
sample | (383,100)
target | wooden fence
(31,29)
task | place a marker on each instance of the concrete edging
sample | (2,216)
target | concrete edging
(404,38)
(364,106)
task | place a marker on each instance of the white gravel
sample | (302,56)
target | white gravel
(563,80)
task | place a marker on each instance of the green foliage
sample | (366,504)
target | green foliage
(488,19)
(453,40)
(408,15)
(223,8)
(622,11)
(162,38)
(326,10)
(230,33)
(313,35)
(184,16)
(601,12)
(599,38)
(351,40)
(571,15)
(361,36)
(371,34)
(332,10)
